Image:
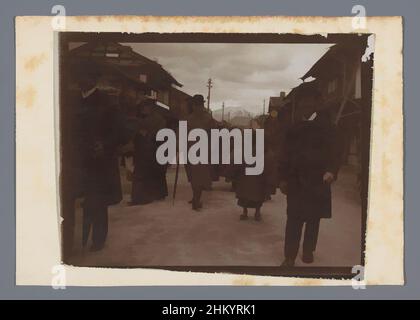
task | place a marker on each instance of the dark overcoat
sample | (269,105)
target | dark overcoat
(252,190)
(308,152)
(273,134)
(100,125)
(199,174)
(149,177)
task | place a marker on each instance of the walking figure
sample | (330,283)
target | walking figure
(199,174)
(308,165)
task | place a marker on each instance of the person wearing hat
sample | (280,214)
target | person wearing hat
(149,177)
(100,137)
(309,161)
(199,174)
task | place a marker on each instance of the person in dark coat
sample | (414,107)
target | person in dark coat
(308,165)
(199,174)
(252,190)
(100,138)
(149,177)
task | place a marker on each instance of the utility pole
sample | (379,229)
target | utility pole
(264,107)
(209,86)
(293,109)
(223,111)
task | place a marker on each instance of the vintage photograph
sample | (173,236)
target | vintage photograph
(236,153)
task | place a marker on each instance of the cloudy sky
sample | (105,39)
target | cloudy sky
(243,74)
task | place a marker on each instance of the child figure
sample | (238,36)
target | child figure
(252,190)
(251,194)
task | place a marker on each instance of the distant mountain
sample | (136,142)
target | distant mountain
(234,112)
(240,121)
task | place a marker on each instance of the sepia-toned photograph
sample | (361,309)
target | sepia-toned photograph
(196,151)
(231,153)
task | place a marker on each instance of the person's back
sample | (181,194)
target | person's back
(199,119)
(200,173)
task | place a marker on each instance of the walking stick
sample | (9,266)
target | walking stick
(176,178)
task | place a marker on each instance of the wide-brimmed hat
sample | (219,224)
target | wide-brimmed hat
(197,99)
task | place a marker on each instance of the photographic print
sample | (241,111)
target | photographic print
(254,152)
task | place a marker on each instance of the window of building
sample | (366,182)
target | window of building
(332,86)
(143,78)
(153,94)
(165,97)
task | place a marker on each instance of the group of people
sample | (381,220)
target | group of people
(301,161)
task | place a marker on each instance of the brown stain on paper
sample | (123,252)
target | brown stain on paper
(34,62)
(26,97)
(243,281)
(388,187)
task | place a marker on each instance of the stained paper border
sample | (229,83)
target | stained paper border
(37,224)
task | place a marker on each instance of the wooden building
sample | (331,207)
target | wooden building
(121,66)
(276,103)
(179,101)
